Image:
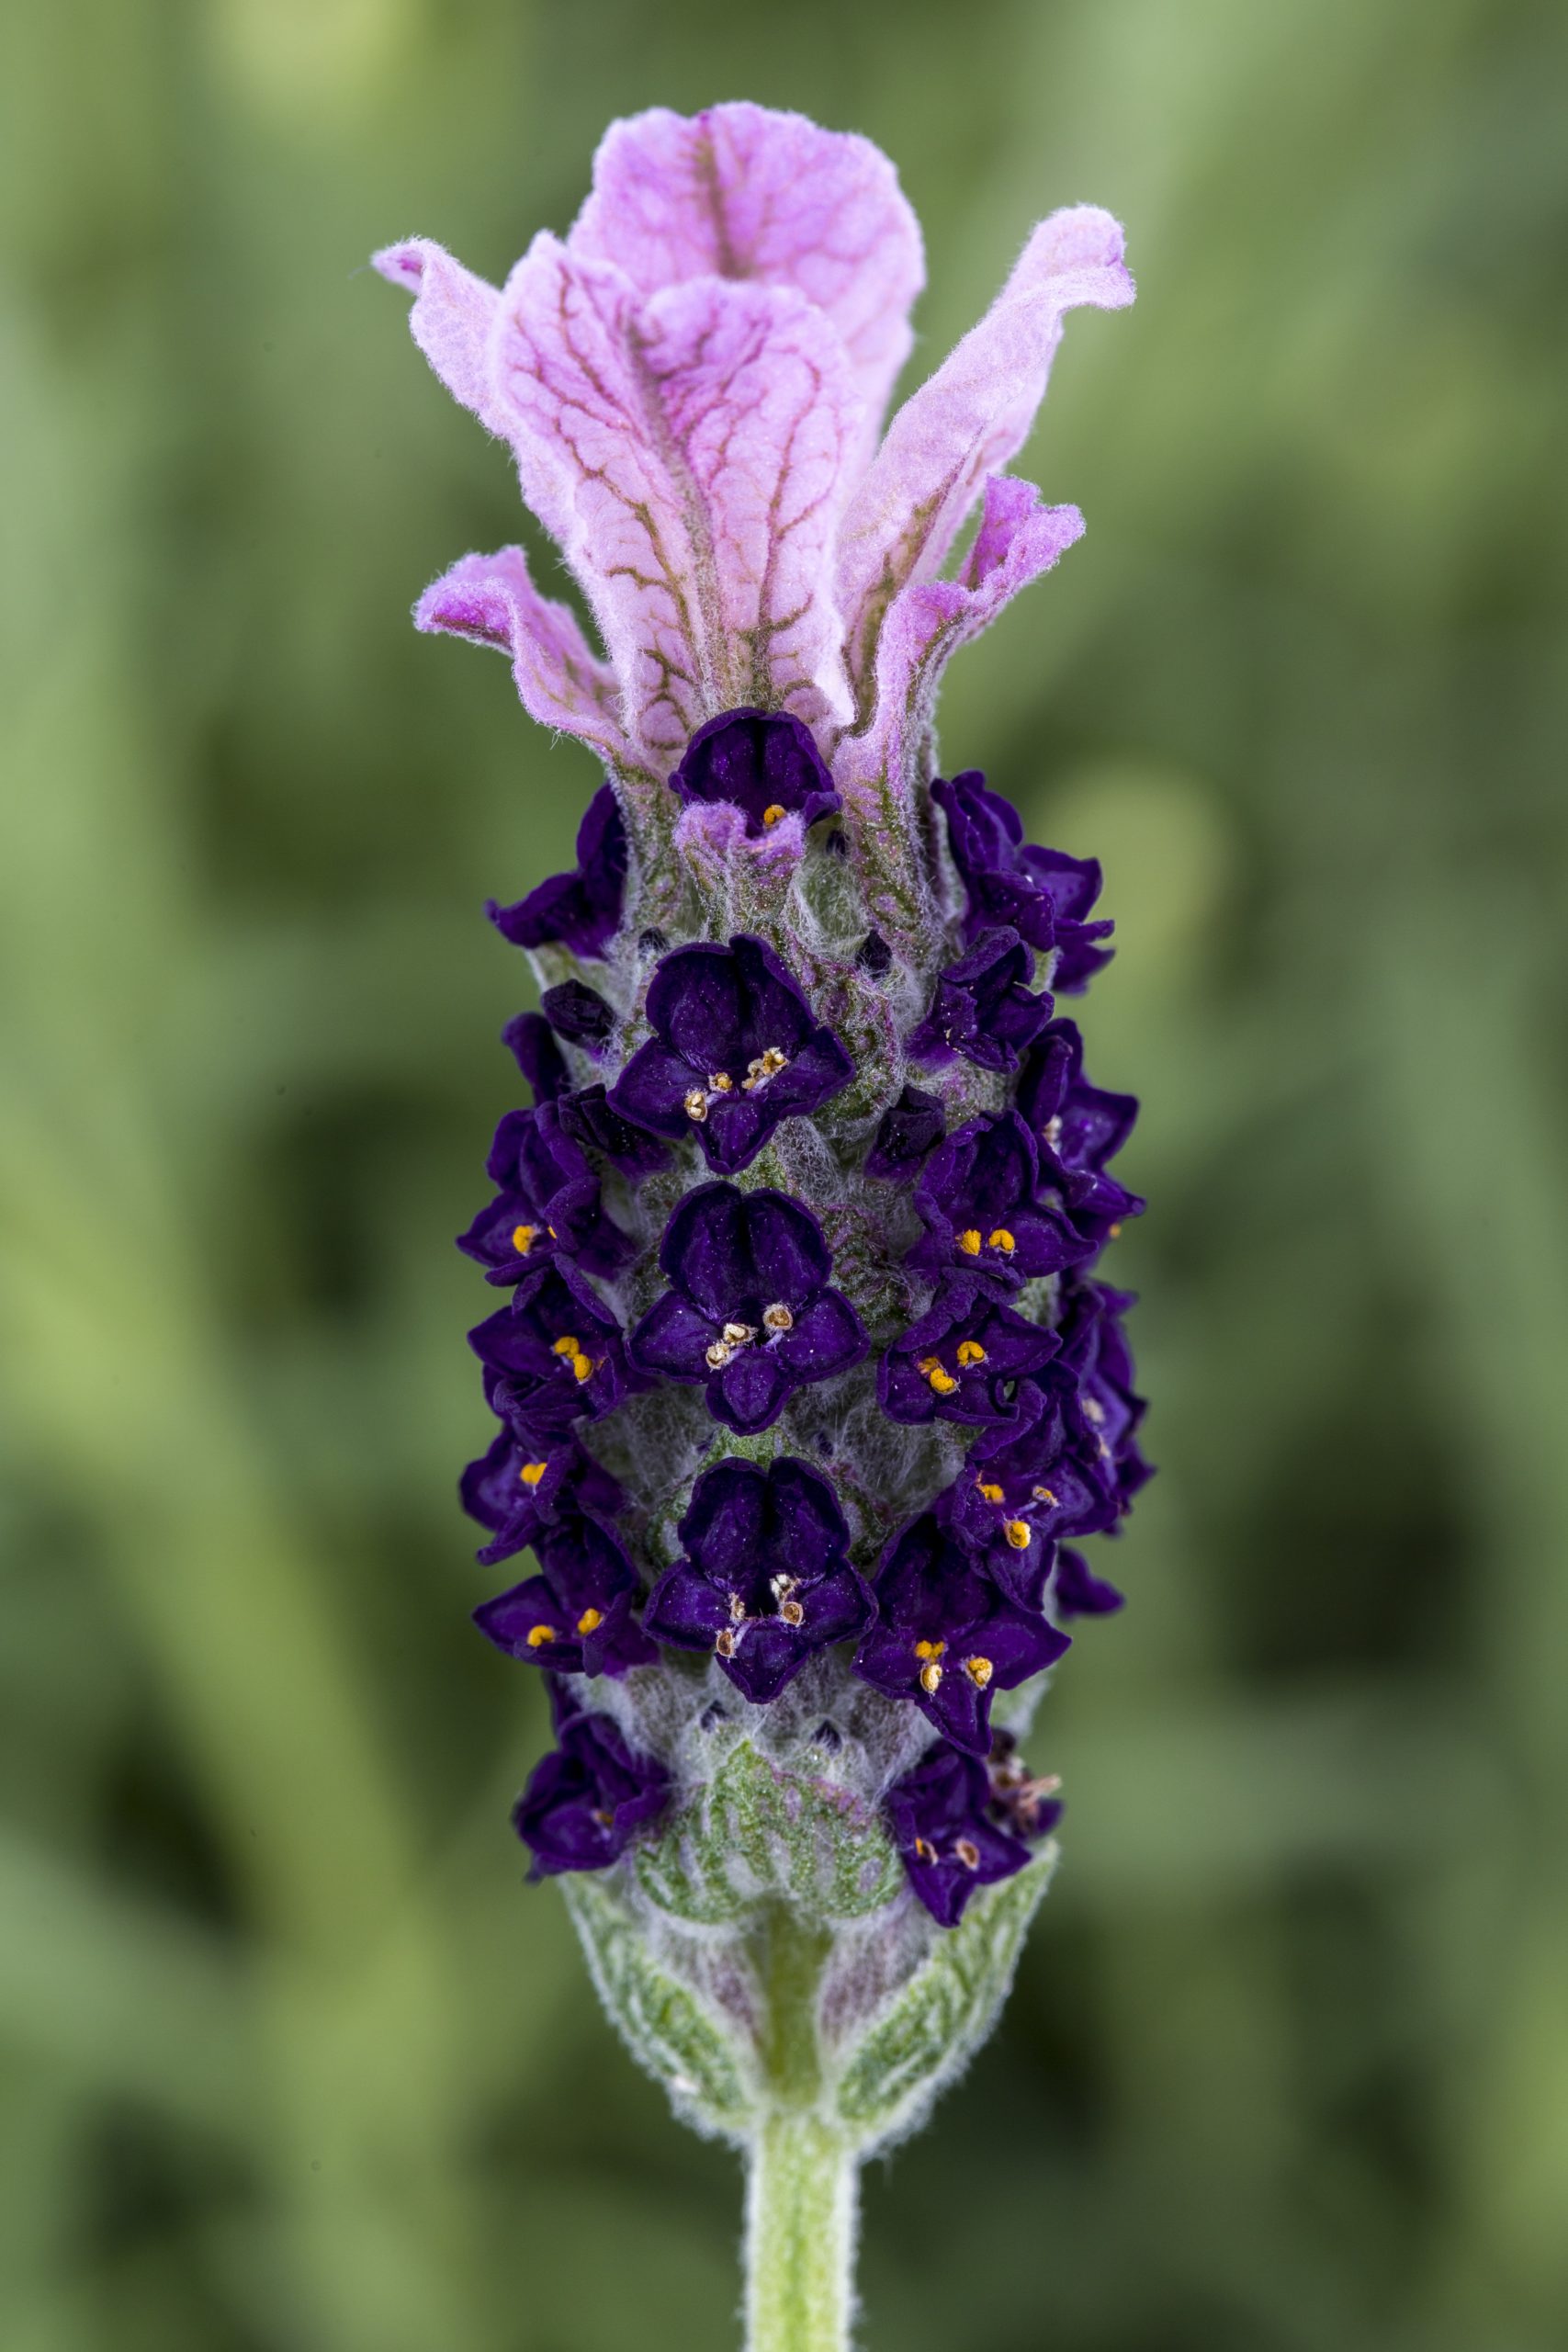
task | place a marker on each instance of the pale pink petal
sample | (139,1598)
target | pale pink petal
(490,600)
(692,450)
(878,771)
(967,420)
(742,191)
(451,319)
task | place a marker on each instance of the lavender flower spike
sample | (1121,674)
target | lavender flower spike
(804,1372)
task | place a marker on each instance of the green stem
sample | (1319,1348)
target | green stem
(801,2190)
(801,2201)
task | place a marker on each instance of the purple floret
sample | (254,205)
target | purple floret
(941,1818)
(910,1128)
(581,910)
(578,1014)
(515,1487)
(764,762)
(765,1580)
(589,1120)
(1077,1127)
(749,1312)
(532,1043)
(735,1049)
(986,1226)
(946,1637)
(548,1203)
(1024,1487)
(1042,893)
(553,1356)
(983,1007)
(587,1798)
(961,1361)
(1105,1411)
(576,1615)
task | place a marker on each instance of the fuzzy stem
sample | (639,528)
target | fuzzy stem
(803,2173)
(801,2201)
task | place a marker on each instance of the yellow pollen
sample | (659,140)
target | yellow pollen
(606,1820)
(1001,1240)
(532,1471)
(791,1612)
(1043,1495)
(720,1082)
(969,1241)
(929,1649)
(931,1678)
(581,1367)
(719,1355)
(774,1061)
(989,1493)
(771,816)
(971,1352)
(979,1670)
(540,1635)
(724,1643)
(942,1381)
(736,1335)
(1115,1232)
(778,1318)
(1017,1534)
(696,1105)
(967,1852)
(924,1850)
(590,1621)
(737,1609)
(566,1346)
(523,1238)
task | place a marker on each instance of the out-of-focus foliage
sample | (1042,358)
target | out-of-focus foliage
(291,2060)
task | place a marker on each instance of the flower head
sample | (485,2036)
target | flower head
(749,1312)
(515,1488)
(735,1049)
(553,1356)
(588,1798)
(961,1360)
(576,1615)
(581,910)
(765,1580)
(983,1007)
(1042,893)
(986,1226)
(548,1203)
(764,763)
(945,1825)
(1078,1128)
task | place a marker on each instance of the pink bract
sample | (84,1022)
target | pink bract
(693,384)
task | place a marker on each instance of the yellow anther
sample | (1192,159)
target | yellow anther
(979,1670)
(1000,1238)
(774,1061)
(724,1643)
(540,1635)
(1017,1534)
(565,1345)
(942,1381)
(738,1335)
(924,1850)
(718,1356)
(967,1852)
(737,1609)
(696,1105)
(969,1241)
(532,1471)
(970,1352)
(1043,1495)
(1094,1410)
(1115,1232)
(929,1649)
(989,1493)
(523,1238)
(928,1365)
(771,816)
(720,1082)
(791,1612)
(1053,1131)
(931,1678)
(581,1367)
(590,1621)
(606,1820)
(778,1318)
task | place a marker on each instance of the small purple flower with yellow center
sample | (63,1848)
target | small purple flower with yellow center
(765,1580)
(581,910)
(553,1356)
(587,1798)
(1044,893)
(749,1313)
(946,1636)
(1023,1488)
(548,1203)
(575,1616)
(908,1129)
(515,1485)
(983,1007)
(1078,1127)
(943,1823)
(986,1229)
(1104,1409)
(961,1361)
(735,1049)
(765,763)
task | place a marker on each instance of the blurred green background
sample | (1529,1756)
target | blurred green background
(291,2060)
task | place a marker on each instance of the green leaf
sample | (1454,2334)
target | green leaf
(928,2033)
(671,2033)
(757,1833)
